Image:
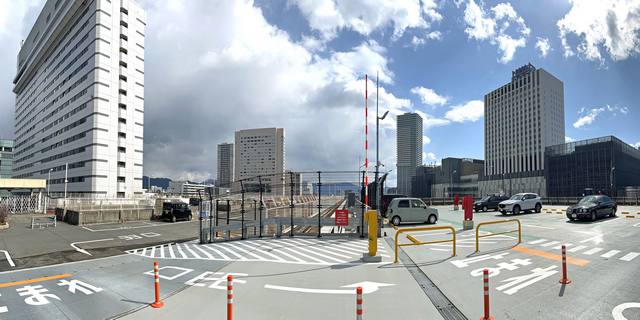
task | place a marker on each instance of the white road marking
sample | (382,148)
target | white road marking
(279,251)
(304,255)
(630,256)
(538,241)
(367,287)
(162,251)
(245,251)
(617,311)
(548,244)
(171,253)
(592,251)
(560,246)
(317,245)
(228,250)
(153,252)
(180,251)
(261,251)
(597,239)
(8,257)
(578,248)
(209,256)
(75,245)
(224,256)
(195,255)
(610,254)
(535,226)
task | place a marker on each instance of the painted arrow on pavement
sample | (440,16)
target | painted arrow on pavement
(367,287)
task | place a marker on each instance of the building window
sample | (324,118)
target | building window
(123,77)
(123,92)
(122,149)
(122,135)
(122,106)
(124,64)
(122,120)
(124,24)
(124,37)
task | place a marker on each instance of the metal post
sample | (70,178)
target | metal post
(202,240)
(255,215)
(291,202)
(217,216)
(228,213)
(362,207)
(210,215)
(261,207)
(319,205)
(242,210)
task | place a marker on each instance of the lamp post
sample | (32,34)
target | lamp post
(451,182)
(613,169)
(66,170)
(48,181)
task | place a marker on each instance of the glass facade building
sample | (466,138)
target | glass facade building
(606,165)
(6,158)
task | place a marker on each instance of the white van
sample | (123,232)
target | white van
(408,210)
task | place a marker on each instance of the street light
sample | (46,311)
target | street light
(48,181)
(451,182)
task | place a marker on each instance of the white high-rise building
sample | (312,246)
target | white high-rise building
(225,164)
(260,152)
(408,149)
(521,118)
(80,98)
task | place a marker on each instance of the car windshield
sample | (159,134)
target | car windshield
(589,199)
(485,198)
(516,196)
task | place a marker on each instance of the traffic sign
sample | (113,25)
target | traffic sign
(342,217)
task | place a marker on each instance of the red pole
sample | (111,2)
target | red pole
(366,139)
(359,310)
(156,275)
(229,297)
(485,280)
(565,279)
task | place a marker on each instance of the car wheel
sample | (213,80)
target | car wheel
(572,219)
(432,219)
(516,209)
(538,208)
(173,219)
(613,212)
(190,217)
(504,213)
(395,220)
(593,216)
(484,209)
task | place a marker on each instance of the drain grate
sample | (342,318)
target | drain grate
(447,310)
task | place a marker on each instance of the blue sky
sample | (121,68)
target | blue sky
(464,69)
(216,66)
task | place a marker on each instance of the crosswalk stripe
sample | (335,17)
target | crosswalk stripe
(316,247)
(162,251)
(346,250)
(209,256)
(320,255)
(578,248)
(560,246)
(245,251)
(144,252)
(180,251)
(592,251)
(630,256)
(262,251)
(548,244)
(610,254)
(359,245)
(171,253)
(224,256)
(304,255)
(353,245)
(195,255)
(282,252)
(228,250)
(538,241)
(153,252)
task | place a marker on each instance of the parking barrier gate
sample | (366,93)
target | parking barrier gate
(478,236)
(416,242)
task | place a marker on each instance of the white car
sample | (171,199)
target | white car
(521,202)
(403,210)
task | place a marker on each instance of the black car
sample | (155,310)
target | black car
(176,210)
(592,207)
(488,203)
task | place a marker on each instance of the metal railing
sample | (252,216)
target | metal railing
(416,242)
(478,236)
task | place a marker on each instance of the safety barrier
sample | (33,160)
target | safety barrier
(564,279)
(485,281)
(156,276)
(359,310)
(478,236)
(229,297)
(416,242)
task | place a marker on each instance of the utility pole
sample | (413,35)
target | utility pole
(66,180)
(378,187)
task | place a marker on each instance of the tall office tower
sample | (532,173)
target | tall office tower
(225,164)
(408,149)
(6,158)
(80,98)
(260,152)
(521,118)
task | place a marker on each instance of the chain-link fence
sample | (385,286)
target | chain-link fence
(292,203)
(23,204)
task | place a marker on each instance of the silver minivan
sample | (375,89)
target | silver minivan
(410,210)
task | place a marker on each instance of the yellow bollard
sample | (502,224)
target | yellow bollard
(372,220)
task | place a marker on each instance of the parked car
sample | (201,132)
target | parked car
(176,210)
(521,202)
(386,200)
(410,210)
(488,203)
(592,207)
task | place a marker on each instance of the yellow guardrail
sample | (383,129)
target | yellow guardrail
(478,236)
(416,242)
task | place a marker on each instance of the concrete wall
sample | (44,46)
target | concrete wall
(104,216)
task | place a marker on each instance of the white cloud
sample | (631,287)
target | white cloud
(429,121)
(426,140)
(612,26)
(544,46)
(569,139)
(429,96)
(636,145)
(493,26)
(471,111)
(364,17)
(433,35)
(429,156)
(588,118)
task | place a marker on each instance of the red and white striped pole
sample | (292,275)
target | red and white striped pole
(156,275)
(485,280)
(229,297)
(359,310)
(565,279)
(366,139)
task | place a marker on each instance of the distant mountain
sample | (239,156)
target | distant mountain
(158,182)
